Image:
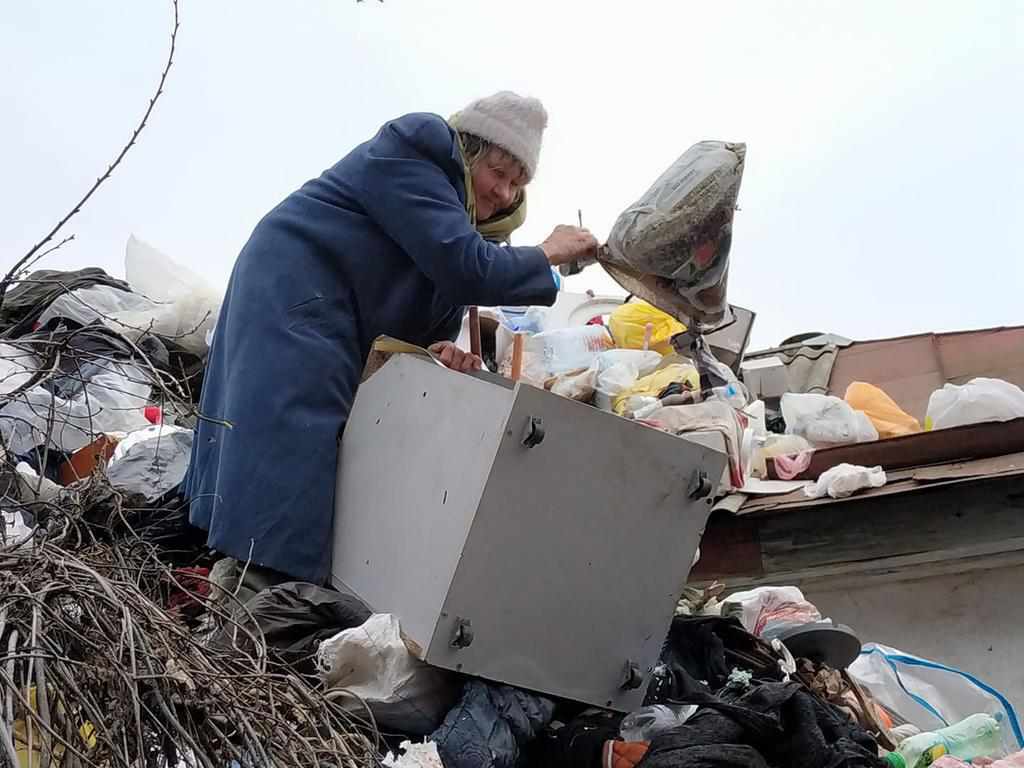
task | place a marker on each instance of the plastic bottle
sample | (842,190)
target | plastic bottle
(977,736)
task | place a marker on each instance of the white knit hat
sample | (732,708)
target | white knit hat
(515,123)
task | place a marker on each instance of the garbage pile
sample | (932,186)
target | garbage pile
(118,648)
(124,644)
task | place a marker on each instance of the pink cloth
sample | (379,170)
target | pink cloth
(788,467)
(1015,760)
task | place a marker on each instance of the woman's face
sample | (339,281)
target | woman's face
(497,180)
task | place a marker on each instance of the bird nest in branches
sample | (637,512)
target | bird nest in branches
(96,671)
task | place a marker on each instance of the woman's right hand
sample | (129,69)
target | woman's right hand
(568,244)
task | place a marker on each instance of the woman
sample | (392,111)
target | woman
(397,239)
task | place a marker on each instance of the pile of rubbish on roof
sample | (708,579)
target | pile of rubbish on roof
(124,645)
(120,646)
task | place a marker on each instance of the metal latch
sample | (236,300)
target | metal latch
(463,635)
(631,677)
(534,434)
(700,485)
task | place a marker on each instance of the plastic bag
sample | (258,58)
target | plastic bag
(759,608)
(679,232)
(15,534)
(628,325)
(374,665)
(188,305)
(575,385)
(618,370)
(523,319)
(112,400)
(566,349)
(826,420)
(653,384)
(845,480)
(929,694)
(17,366)
(168,300)
(977,401)
(648,722)
(888,418)
(105,303)
(414,756)
(151,461)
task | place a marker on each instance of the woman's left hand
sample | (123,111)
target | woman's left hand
(455,358)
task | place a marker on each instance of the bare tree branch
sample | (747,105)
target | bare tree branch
(16,269)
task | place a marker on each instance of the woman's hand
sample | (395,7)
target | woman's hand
(568,244)
(455,358)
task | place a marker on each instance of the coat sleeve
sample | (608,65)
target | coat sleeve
(407,192)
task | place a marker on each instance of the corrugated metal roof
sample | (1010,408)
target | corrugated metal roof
(898,481)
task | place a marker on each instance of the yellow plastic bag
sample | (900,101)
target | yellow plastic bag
(628,323)
(889,419)
(652,384)
(20,734)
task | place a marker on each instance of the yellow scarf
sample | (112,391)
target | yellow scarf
(500,226)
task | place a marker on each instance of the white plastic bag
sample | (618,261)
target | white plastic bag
(648,722)
(15,534)
(756,608)
(374,664)
(575,385)
(825,420)
(105,303)
(929,694)
(17,367)
(555,352)
(151,461)
(414,756)
(845,480)
(681,228)
(113,400)
(167,300)
(618,370)
(188,307)
(978,401)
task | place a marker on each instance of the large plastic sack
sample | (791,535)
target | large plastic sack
(188,305)
(888,418)
(825,420)
(377,667)
(167,300)
(929,694)
(628,324)
(151,461)
(845,480)
(653,384)
(671,246)
(17,366)
(112,400)
(977,401)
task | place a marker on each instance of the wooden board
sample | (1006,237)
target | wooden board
(892,534)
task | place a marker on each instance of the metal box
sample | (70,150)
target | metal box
(519,536)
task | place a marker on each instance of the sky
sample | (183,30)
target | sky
(884,183)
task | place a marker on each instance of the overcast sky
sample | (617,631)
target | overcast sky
(883,188)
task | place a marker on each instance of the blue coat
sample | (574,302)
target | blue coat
(379,244)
